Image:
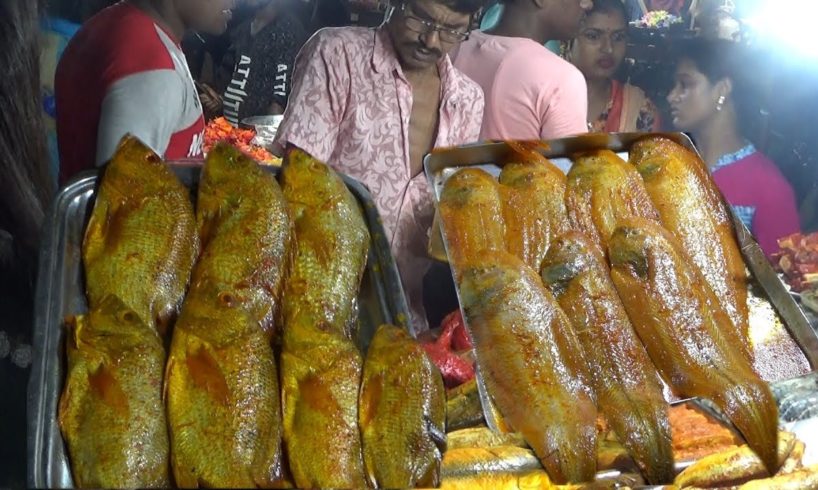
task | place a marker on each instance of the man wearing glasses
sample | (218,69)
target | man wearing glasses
(531,93)
(372,103)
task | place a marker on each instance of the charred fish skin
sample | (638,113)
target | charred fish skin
(321,367)
(332,243)
(111,412)
(533,216)
(678,319)
(692,208)
(603,189)
(241,208)
(471,211)
(402,413)
(532,363)
(141,240)
(221,382)
(627,387)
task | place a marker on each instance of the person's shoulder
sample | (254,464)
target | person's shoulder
(125,39)
(339,39)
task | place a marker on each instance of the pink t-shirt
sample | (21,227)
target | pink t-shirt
(350,106)
(531,93)
(759,195)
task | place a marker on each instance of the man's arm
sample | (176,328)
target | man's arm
(318,99)
(147,105)
(566,112)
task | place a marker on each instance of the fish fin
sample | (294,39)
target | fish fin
(105,385)
(370,399)
(438,434)
(206,374)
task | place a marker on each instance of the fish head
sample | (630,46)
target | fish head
(307,177)
(628,247)
(110,327)
(570,255)
(463,186)
(135,170)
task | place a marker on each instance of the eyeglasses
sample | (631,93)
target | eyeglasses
(422,26)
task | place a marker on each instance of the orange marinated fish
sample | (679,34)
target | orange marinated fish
(533,207)
(141,240)
(687,334)
(628,390)
(532,363)
(602,190)
(692,208)
(471,212)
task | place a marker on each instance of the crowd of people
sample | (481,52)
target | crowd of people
(369,102)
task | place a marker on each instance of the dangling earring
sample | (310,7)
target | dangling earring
(720,103)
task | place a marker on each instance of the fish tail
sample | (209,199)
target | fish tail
(571,450)
(645,432)
(752,409)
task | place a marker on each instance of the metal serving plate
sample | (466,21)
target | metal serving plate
(783,341)
(60,293)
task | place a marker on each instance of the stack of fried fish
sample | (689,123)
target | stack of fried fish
(263,384)
(578,289)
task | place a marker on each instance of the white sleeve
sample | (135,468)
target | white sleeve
(147,105)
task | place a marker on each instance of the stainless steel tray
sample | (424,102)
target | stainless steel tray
(783,340)
(60,293)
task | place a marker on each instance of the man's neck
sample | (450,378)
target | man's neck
(164,15)
(420,76)
(717,139)
(516,22)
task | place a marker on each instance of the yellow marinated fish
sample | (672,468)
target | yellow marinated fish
(463,407)
(532,363)
(627,388)
(402,413)
(245,225)
(221,383)
(332,245)
(730,468)
(686,333)
(141,242)
(533,208)
(471,212)
(320,366)
(602,190)
(111,412)
(692,208)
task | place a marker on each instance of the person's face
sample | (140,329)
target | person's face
(693,99)
(423,31)
(565,16)
(600,47)
(206,16)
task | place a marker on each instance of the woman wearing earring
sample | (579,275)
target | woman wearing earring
(598,51)
(711,100)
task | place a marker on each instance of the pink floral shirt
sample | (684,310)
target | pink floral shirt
(350,106)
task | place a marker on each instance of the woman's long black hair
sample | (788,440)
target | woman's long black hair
(26,186)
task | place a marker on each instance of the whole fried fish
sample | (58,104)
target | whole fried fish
(245,226)
(471,212)
(111,412)
(332,245)
(693,210)
(687,334)
(402,413)
(532,363)
(627,387)
(320,366)
(141,240)
(533,208)
(602,190)
(221,382)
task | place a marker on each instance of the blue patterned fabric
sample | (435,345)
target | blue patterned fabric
(745,214)
(731,158)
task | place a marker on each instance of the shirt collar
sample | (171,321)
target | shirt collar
(731,158)
(385,59)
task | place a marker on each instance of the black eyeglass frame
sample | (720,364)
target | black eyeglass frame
(424,27)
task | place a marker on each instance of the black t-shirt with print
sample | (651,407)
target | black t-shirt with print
(262,67)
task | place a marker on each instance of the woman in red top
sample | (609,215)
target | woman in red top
(598,52)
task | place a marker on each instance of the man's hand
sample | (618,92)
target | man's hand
(211,101)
